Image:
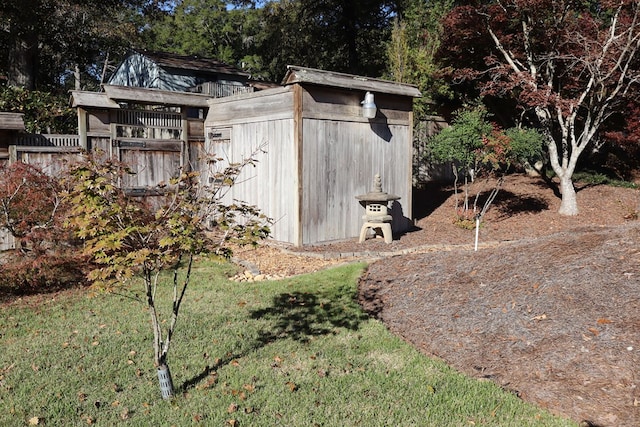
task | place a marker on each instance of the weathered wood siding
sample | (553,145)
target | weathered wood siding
(320,155)
(341,154)
(235,130)
(152,143)
(341,165)
(271,104)
(51,160)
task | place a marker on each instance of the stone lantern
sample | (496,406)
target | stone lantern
(376,215)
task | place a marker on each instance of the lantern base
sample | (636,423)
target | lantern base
(384,227)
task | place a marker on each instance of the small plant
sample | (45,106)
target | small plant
(32,211)
(599,178)
(128,237)
(478,149)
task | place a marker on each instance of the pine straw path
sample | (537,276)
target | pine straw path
(556,320)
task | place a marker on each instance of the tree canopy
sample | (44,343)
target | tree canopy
(564,67)
(339,35)
(44,42)
(416,37)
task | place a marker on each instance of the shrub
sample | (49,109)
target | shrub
(44,112)
(477,148)
(32,211)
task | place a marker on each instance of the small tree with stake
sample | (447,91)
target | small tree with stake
(475,147)
(128,237)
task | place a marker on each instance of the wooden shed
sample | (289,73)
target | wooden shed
(320,152)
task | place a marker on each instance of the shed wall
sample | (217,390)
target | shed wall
(271,185)
(341,154)
(235,128)
(320,155)
(340,165)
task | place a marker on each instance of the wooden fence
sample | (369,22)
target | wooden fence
(423,170)
(156,144)
(219,90)
(47,140)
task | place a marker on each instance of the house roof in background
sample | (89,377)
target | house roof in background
(296,74)
(12,121)
(191,62)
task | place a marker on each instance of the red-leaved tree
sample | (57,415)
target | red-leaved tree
(568,66)
(33,212)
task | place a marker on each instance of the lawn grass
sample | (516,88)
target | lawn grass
(295,352)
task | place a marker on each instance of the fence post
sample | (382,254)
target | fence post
(82,128)
(184,154)
(13,154)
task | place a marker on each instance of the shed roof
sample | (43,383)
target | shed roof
(296,74)
(192,62)
(12,121)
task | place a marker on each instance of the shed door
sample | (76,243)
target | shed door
(152,143)
(218,147)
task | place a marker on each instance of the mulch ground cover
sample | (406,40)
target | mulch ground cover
(548,307)
(555,320)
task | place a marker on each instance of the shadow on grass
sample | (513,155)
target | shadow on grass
(210,369)
(297,316)
(302,315)
(9,294)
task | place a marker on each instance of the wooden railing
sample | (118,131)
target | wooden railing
(220,90)
(48,140)
(155,119)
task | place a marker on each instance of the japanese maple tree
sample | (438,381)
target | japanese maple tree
(128,237)
(32,211)
(567,66)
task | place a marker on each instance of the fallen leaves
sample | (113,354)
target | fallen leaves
(292,386)
(212,379)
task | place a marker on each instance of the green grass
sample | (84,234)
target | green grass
(296,352)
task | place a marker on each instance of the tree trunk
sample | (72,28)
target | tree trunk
(159,356)
(569,203)
(76,77)
(23,62)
